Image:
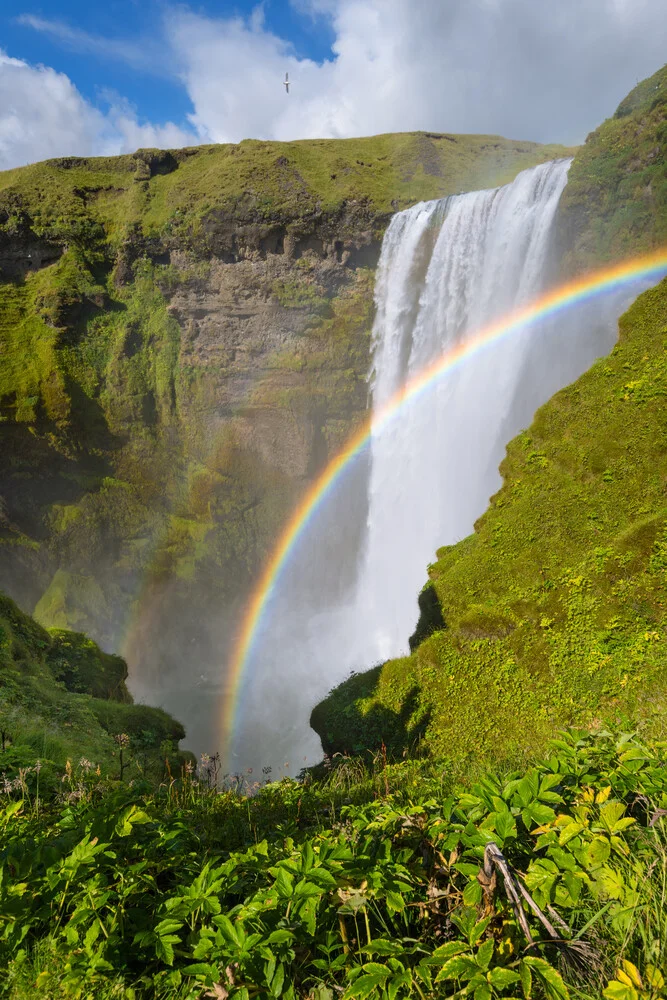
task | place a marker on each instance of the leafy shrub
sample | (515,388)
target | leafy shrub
(392,897)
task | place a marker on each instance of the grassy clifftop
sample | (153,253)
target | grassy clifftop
(177,189)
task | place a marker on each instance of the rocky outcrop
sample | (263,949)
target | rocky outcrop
(21,250)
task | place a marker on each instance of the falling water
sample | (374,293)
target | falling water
(447,268)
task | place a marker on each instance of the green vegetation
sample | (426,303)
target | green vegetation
(63,699)
(300,294)
(180,191)
(615,202)
(188,892)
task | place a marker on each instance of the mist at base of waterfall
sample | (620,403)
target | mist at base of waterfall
(447,269)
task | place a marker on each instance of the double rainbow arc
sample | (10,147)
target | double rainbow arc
(572,293)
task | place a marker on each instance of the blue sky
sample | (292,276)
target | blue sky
(82,78)
(120,20)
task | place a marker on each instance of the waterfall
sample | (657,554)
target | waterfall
(447,268)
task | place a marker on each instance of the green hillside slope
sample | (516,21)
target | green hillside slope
(615,202)
(62,699)
(555,609)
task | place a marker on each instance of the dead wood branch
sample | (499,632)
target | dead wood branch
(578,952)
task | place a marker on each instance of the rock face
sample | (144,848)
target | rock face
(184,342)
(23,252)
(226,385)
(257,325)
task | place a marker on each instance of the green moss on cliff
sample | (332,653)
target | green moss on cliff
(30,374)
(71,600)
(95,477)
(615,202)
(300,293)
(333,356)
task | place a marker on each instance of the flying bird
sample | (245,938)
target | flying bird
(286,83)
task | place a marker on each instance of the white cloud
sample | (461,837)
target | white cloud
(529,69)
(232,71)
(127,133)
(42,114)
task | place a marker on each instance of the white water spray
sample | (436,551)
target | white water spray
(433,470)
(447,269)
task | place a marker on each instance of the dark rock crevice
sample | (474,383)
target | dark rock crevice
(23,251)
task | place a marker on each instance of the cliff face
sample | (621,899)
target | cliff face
(185,340)
(154,441)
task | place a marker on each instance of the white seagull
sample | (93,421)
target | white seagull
(286,83)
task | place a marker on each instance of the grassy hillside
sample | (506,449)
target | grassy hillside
(62,699)
(615,202)
(178,190)
(554,609)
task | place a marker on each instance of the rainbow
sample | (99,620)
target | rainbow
(569,294)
